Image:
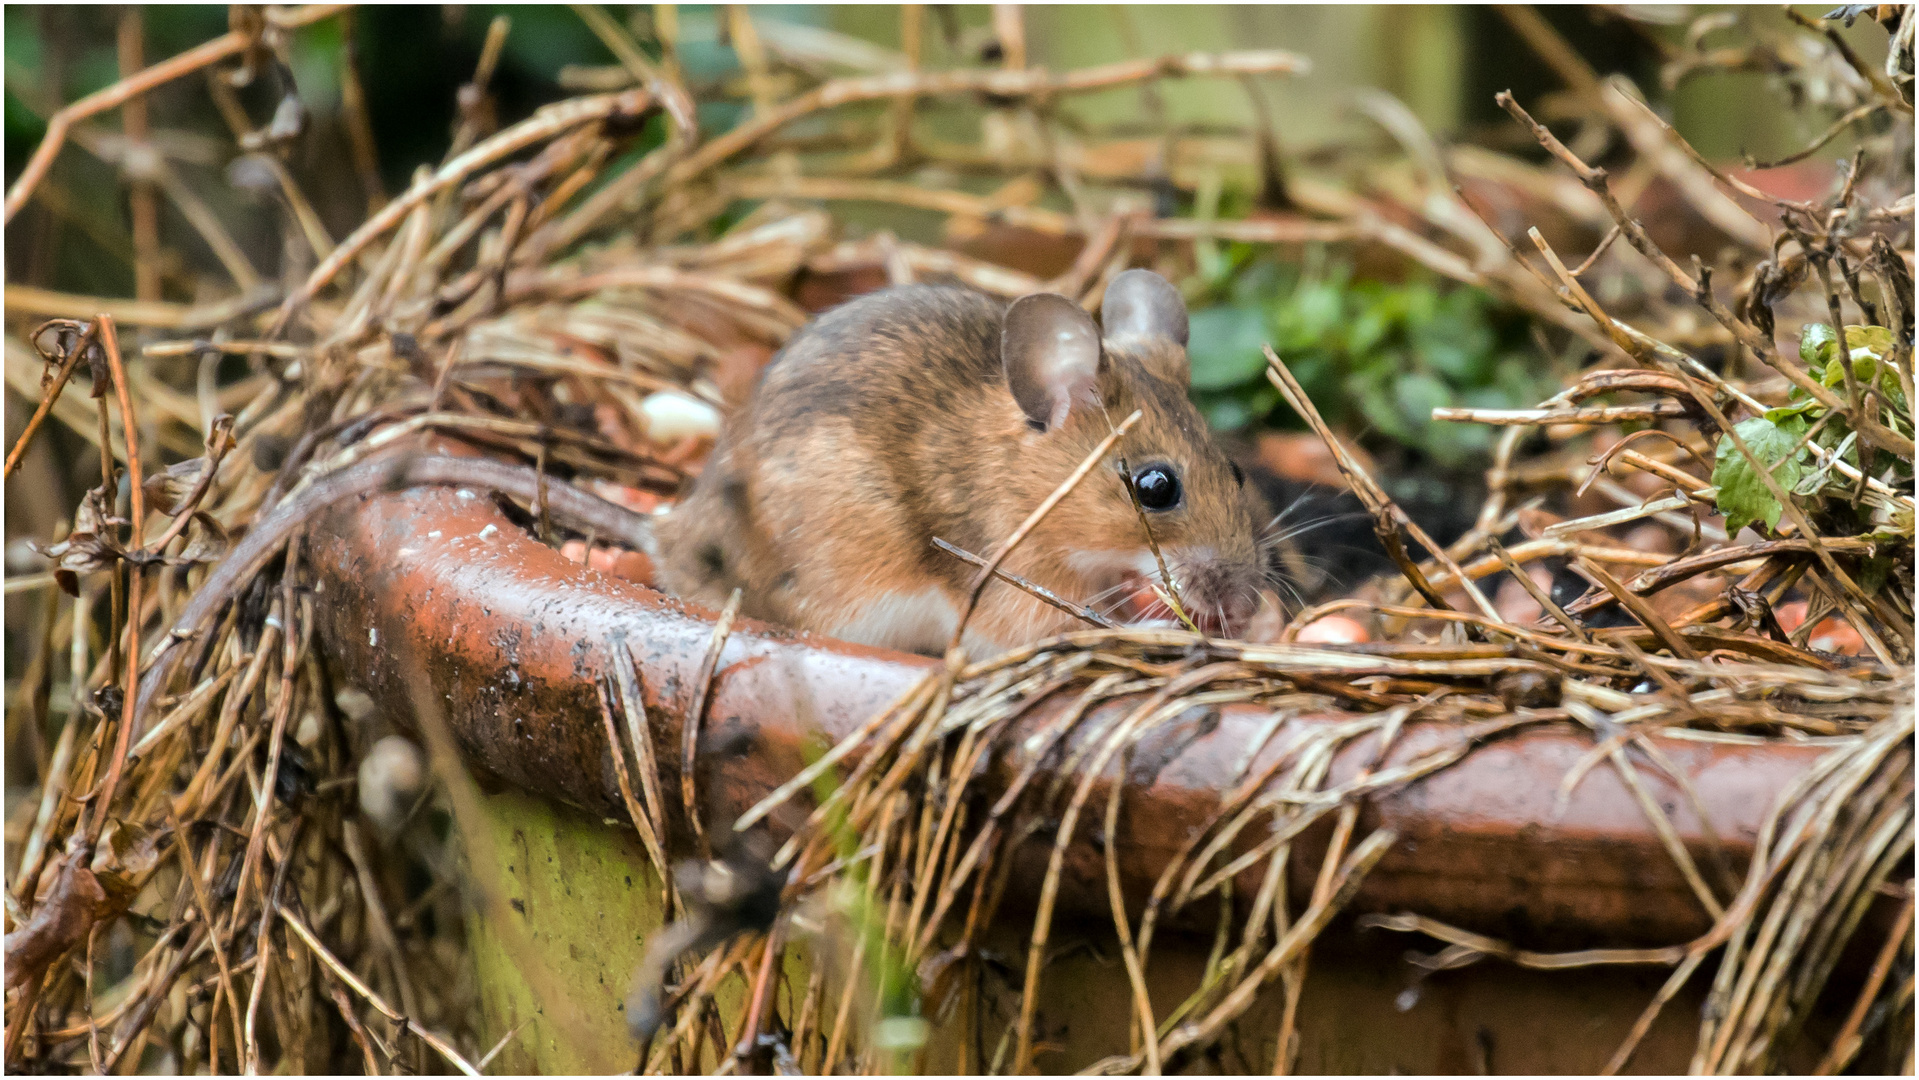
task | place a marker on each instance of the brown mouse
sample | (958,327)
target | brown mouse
(930,411)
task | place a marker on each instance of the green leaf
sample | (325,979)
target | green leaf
(1226,346)
(1874,340)
(1373,389)
(1743,496)
(1869,347)
(1232,410)
(1314,315)
(1873,572)
(1461,348)
(1417,395)
(1780,415)
(1815,346)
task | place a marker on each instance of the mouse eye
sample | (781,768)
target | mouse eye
(1158,487)
(1239,474)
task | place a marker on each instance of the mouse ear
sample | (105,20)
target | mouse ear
(1143,303)
(1050,349)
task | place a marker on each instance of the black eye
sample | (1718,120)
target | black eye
(1239,474)
(1158,487)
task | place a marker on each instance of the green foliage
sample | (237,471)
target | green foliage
(1384,355)
(1743,495)
(1794,438)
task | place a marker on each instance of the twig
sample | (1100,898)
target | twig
(359,126)
(1000,82)
(1038,592)
(130,427)
(1640,609)
(1605,244)
(1388,518)
(1609,414)
(29,300)
(1452,935)
(1846,1044)
(1850,118)
(545,124)
(1539,595)
(695,713)
(52,393)
(642,823)
(127,89)
(345,974)
(662,85)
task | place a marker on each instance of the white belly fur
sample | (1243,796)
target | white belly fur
(912,622)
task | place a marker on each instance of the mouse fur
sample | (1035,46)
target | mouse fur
(893,419)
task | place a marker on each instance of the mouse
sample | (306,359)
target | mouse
(933,411)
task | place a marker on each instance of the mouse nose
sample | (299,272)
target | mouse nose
(1225,617)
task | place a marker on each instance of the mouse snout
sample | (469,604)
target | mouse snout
(1221,597)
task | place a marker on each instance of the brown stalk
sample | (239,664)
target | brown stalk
(276,744)
(1609,414)
(640,729)
(1479,943)
(130,425)
(1049,889)
(1850,118)
(1639,608)
(695,713)
(642,821)
(545,124)
(1539,595)
(345,974)
(129,88)
(664,86)
(144,209)
(1029,83)
(1388,518)
(200,896)
(1345,882)
(359,125)
(758,1000)
(52,392)
(1038,592)
(376,915)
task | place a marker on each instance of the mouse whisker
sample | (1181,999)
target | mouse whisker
(1279,536)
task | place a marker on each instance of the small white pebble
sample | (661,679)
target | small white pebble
(373,636)
(489,531)
(672,416)
(309,731)
(464,494)
(434,535)
(391,777)
(356,703)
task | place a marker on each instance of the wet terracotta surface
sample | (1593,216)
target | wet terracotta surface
(511,635)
